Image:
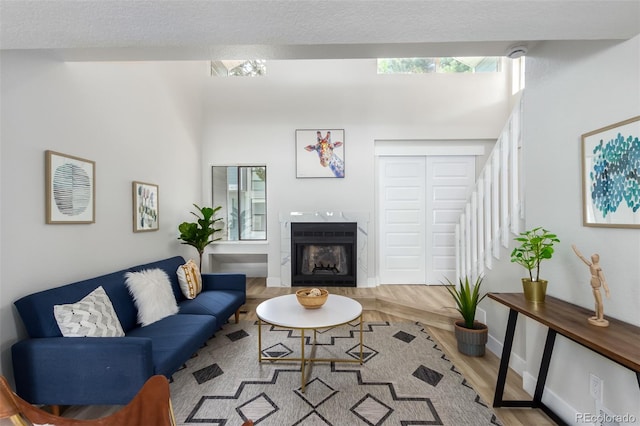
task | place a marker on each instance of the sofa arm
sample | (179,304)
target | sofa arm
(222,281)
(81,370)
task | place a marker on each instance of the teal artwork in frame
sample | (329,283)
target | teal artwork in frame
(611,175)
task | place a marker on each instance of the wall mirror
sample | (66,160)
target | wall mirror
(241,191)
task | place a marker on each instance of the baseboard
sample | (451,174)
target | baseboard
(516,362)
(481,315)
(274,282)
(550,399)
(528,382)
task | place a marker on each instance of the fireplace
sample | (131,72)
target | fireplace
(323,254)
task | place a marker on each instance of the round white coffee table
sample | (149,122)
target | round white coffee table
(286,312)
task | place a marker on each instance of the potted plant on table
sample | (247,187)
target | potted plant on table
(536,245)
(201,233)
(471,335)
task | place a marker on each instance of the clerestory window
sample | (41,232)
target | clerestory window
(467,64)
(241,68)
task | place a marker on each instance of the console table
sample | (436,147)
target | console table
(619,342)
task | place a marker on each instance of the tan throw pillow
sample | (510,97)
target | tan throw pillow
(190,279)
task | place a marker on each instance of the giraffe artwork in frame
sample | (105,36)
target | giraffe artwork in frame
(320,153)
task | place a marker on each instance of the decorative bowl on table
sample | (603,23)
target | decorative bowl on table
(312,298)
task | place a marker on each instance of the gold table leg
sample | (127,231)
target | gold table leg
(361,349)
(259,340)
(302,362)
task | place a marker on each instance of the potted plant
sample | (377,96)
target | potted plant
(471,335)
(201,233)
(536,245)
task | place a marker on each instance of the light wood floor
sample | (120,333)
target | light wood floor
(426,305)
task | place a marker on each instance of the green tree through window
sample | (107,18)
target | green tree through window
(438,65)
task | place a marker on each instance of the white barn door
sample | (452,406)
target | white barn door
(419,201)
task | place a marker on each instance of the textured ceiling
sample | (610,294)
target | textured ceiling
(272,29)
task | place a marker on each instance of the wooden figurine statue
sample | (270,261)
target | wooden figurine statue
(597,281)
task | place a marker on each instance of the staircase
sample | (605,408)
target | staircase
(495,205)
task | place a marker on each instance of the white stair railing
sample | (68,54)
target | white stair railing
(495,206)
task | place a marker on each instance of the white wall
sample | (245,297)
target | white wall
(253,121)
(573,88)
(137,121)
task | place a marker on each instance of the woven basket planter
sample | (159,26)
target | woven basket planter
(471,341)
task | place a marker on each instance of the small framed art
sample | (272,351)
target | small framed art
(146,209)
(320,153)
(70,196)
(610,182)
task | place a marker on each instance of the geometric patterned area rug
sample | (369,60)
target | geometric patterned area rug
(405,379)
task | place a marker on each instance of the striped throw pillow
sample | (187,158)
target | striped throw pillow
(190,279)
(93,316)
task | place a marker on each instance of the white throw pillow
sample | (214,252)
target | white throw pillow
(93,316)
(190,279)
(152,294)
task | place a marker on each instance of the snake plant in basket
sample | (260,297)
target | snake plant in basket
(471,335)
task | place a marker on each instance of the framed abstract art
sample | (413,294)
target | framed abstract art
(146,210)
(611,175)
(70,195)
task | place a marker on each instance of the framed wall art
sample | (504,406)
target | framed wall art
(320,153)
(610,175)
(70,195)
(146,209)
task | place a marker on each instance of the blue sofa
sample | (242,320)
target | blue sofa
(55,370)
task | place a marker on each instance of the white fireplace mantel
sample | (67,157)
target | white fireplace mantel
(360,218)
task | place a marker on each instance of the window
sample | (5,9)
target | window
(517,75)
(241,192)
(243,68)
(469,64)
